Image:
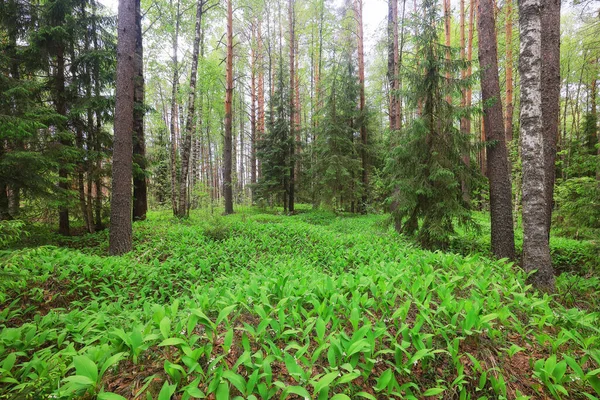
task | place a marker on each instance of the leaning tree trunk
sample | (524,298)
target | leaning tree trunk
(140,189)
(536,252)
(120,208)
(227,156)
(550,96)
(503,240)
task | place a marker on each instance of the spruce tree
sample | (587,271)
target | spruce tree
(426,166)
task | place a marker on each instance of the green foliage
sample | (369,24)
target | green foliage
(426,169)
(314,305)
(578,203)
(11,232)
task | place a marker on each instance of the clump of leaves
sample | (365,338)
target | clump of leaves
(217,229)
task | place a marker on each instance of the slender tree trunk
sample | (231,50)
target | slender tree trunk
(550,96)
(120,238)
(97,143)
(536,252)
(447,37)
(393,68)
(292,108)
(261,94)
(253,68)
(190,123)
(508,123)
(227,156)
(503,241)
(4,212)
(61,109)
(140,190)
(363,124)
(174,123)
(469,94)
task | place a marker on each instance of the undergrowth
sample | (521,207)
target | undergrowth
(260,306)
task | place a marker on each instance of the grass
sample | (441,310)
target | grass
(259,306)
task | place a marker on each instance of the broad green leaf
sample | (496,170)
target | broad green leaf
(86,367)
(325,381)
(166,391)
(172,342)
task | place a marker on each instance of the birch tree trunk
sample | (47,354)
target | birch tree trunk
(174,122)
(503,241)
(536,251)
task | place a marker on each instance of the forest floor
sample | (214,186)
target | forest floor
(259,305)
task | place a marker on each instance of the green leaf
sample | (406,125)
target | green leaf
(384,380)
(222,392)
(172,342)
(236,380)
(86,367)
(165,327)
(299,390)
(224,313)
(80,380)
(340,396)
(366,395)
(433,391)
(112,360)
(325,381)
(166,391)
(9,362)
(110,396)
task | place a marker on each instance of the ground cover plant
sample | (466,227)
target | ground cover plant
(258,305)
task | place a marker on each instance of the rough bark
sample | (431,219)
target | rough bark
(503,242)
(253,71)
(260,124)
(190,125)
(447,38)
(550,96)
(140,189)
(469,94)
(120,236)
(174,122)
(363,125)
(536,252)
(227,156)
(508,122)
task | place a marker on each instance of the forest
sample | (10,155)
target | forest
(299,199)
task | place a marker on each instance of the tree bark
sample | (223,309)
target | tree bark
(174,122)
(61,109)
(140,189)
(393,67)
(253,123)
(508,123)
(550,96)
(447,37)
(227,156)
(120,237)
(260,125)
(190,125)
(536,252)
(363,125)
(503,241)
(292,107)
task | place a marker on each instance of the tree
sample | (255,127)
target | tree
(393,70)
(503,242)
(227,156)
(550,86)
(536,250)
(358,9)
(120,239)
(508,123)
(140,189)
(426,166)
(291,185)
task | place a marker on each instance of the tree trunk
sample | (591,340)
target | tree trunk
(469,94)
(503,241)
(140,190)
(550,96)
(253,70)
(120,237)
(447,41)
(393,68)
(61,109)
(536,252)
(190,125)
(227,156)
(292,108)
(261,93)
(363,124)
(174,122)
(508,123)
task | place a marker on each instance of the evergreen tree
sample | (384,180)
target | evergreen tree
(426,166)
